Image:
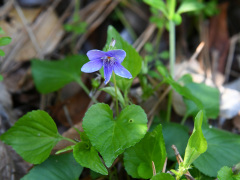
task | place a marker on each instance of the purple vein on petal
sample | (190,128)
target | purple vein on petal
(108,68)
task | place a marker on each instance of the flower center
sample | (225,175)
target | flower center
(109,60)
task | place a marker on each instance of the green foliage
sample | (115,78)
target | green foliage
(211,8)
(1,31)
(112,136)
(157,18)
(60,167)
(171,5)
(168,8)
(1,77)
(132,61)
(50,76)
(95,83)
(209,97)
(223,150)
(33,136)
(226,173)
(87,156)
(138,159)
(5,41)
(162,176)
(148,47)
(197,144)
(158,4)
(146,87)
(177,19)
(175,134)
(2,53)
(196,96)
(164,55)
(182,90)
(76,27)
(68,148)
(189,5)
(111,91)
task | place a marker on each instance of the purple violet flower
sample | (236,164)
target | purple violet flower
(110,60)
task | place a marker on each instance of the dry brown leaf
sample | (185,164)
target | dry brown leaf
(16,30)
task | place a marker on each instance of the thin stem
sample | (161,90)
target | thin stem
(115,86)
(184,119)
(172,47)
(76,10)
(172,63)
(126,97)
(82,85)
(68,139)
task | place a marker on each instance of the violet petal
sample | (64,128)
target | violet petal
(108,68)
(121,71)
(95,54)
(118,54)
(92,66)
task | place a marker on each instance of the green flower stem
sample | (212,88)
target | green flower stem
(82,85)
(68,139)
(126,97)
(115,86)
(172,46)
(172,63)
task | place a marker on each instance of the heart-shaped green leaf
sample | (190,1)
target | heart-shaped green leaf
(50,76)
(60,167)
(138,159)
(33,136)
(87,156)
(223,150)
(112,136)
(209,96)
